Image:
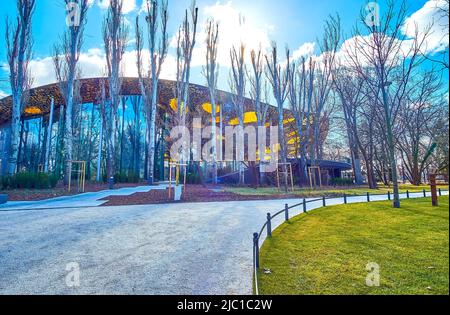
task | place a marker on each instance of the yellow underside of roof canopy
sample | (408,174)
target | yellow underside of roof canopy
(174,105)
(249,118)
(207,107)
(33,110)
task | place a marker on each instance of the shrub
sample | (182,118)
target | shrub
(193,179)
(341,181)
(24,180)
(133,177)
(124,177)
(27,180)
(5,182)
(42,181)
(53,180)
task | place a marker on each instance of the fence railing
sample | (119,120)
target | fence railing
(268,224)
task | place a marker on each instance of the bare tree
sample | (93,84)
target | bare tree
(415,122)
(237,85)
(300,96)
(19,46)
(211,73)
(65,59)
(393,61)
(366,137)
(278,77)
(351,94)
(440,134)
(115,34)
(156,18)
(441,57)
(135,134)
(324,80)
(256,80)
(186,40)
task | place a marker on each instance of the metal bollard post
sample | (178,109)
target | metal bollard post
(424,193)
(324,202)
(440,192)
(256,249)
(368,197)
(407,194)
(345,198)
(389,195)
(286,212)
(269,225)
(304,205)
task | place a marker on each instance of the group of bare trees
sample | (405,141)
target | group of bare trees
(390,106)
(389,102)
(309,84)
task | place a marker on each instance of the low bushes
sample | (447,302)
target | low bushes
(124,177)
(27,180)
(193,179)
(342,182)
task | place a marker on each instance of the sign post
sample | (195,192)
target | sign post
(434,197)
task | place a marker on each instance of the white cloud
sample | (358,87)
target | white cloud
(430,16)
(128,5)
(354,46)
(420,21)
(129,67)
(231,32)
(42,71)
(305,50)
(93,64)
(3,94)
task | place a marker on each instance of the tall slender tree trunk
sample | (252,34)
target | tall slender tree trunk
(99,154)
(391,149)
(20,144)
(214,137)
(15,133)
(110,146)
(122,137)
(68,133)
(89,138)
(152,133)
(283,148)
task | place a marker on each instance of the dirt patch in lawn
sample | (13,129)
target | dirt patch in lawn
(193,193)
(59,191)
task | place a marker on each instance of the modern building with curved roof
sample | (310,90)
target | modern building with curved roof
(130,125)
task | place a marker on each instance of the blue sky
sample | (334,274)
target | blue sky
(297,23)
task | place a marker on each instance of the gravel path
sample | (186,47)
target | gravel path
(203,248)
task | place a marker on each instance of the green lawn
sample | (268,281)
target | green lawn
(326,251)
(328,192)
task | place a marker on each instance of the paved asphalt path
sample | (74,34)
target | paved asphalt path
(198,248)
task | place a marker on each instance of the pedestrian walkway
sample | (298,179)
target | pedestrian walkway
(90,199)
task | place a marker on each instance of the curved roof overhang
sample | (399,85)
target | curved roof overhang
(39,98)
